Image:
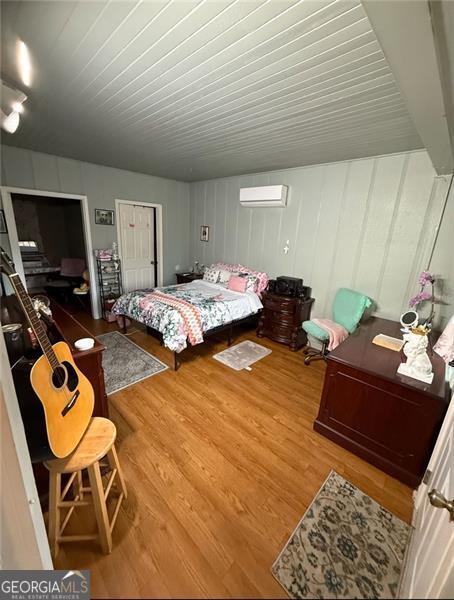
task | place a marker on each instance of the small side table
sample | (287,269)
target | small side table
(282,317)
(188,277)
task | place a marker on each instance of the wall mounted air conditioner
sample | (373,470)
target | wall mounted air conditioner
(267,195)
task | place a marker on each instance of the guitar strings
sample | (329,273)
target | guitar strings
(19,289)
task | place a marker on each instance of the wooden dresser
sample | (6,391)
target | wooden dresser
(68,329)
(390,420)
(187,277)
(282,317)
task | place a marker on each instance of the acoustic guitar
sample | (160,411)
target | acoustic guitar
(54,393)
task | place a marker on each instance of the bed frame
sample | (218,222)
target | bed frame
(251,319)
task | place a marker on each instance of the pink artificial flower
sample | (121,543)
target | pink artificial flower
(425,278)
(420,298)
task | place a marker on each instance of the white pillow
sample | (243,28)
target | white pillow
(211,275)
(224,276)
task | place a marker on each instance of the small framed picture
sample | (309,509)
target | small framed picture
(3,228)
(204,233)
(104,217)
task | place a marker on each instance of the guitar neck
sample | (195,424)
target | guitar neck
(34,320)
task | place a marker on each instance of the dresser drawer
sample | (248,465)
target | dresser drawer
(281,330)
(281,317)
(280,304)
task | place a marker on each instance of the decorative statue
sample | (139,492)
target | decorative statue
(418,364)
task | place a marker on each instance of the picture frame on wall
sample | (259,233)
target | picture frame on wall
(104,217)
(204,233)
(3,228)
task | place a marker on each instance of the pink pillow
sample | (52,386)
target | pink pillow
(237,284)
(261,276)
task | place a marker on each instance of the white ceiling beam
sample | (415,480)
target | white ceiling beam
(404,30)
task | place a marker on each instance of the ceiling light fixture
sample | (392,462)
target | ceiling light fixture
(17,107)
(24,63)
(10,107)
(11,122)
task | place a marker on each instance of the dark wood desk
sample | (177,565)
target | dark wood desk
(390,420)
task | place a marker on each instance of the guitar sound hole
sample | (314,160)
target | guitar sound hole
(65,374)
(59,377)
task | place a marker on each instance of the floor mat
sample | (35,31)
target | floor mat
(242,355)
(345,546)
(126,363)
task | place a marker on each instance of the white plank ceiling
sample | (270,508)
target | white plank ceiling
(200,89)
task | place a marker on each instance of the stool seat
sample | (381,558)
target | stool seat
(96,442)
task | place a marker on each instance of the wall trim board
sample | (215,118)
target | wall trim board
(6,193)
(442,215)
(288,169)
(159,232)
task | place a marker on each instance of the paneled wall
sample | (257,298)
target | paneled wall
(102,185)
(368,224)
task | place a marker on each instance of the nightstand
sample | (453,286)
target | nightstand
(282,317)
(188,277)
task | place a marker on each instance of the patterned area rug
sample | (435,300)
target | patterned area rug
(242,355)
(345,546)
(126,363)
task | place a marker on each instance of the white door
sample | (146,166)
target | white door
(429,569)
(137,246)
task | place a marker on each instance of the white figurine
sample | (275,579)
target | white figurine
(418,364)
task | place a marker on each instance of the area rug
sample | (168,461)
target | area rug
(126,363)
(242,355)
(345,546)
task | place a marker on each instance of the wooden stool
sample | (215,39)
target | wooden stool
(97,442)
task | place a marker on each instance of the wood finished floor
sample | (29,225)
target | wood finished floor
(220,467)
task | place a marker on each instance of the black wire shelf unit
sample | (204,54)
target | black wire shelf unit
(109,283)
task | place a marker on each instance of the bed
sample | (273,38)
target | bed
(185,314)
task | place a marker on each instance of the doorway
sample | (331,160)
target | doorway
(139,232)
(50,241)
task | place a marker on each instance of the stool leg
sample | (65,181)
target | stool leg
(54,512)
(99,503)
(114,463)
(80,484)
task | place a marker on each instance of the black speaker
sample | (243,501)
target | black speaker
(305,292)
(289,286)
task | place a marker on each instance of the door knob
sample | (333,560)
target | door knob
(439,501)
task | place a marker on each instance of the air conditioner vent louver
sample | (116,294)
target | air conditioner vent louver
(264,196)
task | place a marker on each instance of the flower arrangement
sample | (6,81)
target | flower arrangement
(423,295)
